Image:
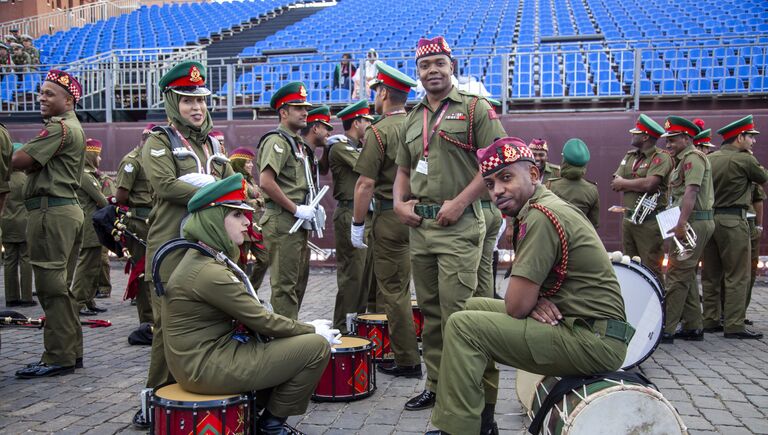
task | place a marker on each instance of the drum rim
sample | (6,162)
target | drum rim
(658,289)
(367,347)
(371,321)
(203,405)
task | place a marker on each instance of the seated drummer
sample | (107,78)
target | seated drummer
(550,322)
(204,298)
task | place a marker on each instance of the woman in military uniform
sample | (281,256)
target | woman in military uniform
(214,327)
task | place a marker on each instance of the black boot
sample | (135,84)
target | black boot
(487,424)
(273,425)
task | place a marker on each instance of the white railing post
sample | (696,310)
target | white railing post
(230,91)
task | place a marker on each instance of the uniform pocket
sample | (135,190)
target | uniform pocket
(456,130)
(468,279)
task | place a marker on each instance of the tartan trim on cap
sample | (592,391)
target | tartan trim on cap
(243,156)
(66,81)
(93,148)
(539,144)
(502,153)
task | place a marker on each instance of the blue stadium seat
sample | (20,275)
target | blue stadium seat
(552,90)
(580,90)
(758,84)
(731,84)
(609,88)
(700,86)
(671,87)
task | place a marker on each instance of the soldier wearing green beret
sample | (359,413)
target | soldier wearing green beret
(734,169)
(54,161)
(389,237)
(437,193)
(179,159)
(18,270)
(352,276)
(89,265)
(569,324)
(703,141)
(644,170)
(134,192)
(690,189)
(571,186)
(205,297)
(283,161)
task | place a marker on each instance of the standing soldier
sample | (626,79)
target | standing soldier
(89,262)
(283,163)
(54,162)
(436,193)
(644,171)
(343,151)
(176,161)
(703,140)
(31,50)
(573,187)
(18,270)
(391,259)
(540,150)
(755,220)
(134,194)
(104,282)
(734,169)
(690,189)
(6,152)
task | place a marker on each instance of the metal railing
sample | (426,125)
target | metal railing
(127,79)
(53,22)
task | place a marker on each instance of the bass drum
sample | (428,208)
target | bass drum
(644,306)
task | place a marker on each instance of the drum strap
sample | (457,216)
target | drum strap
(163,252)
(565,385)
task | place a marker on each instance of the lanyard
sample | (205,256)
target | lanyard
(640,159)
(427,137)
(189,147)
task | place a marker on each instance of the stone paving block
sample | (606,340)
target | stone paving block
(55,424)
(756,425)
(733,430)
(731,395)
(707,402)
(699,390)
(720,417)
(698,423)
(377,429)
(751,389)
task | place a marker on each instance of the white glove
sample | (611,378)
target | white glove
(197,180)
(357,236)
(306,212)
(320,323)
(323,329)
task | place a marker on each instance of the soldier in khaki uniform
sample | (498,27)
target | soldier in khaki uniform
(436,192)
(690,189)
(755,233)
(18,270)
(734,169)
(89,261)
(205,298)
(176,161)
(540,150)
(573,187)
(389,237)
(5,58)
(20,58)
(703,140)
(134,193)
(54,162)
(343,151)
(31,50)
(556,325)
(104,282)
(644,170)
(283,177)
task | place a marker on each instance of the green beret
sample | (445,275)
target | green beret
(355,110)
(494,103)
(292,94)
(393,78)
(229,192)
(186,78)
(322,115)
(646,125)
(575,152)
(743,125)
(675,125)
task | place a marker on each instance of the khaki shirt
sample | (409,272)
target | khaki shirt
(579,192)
(14,218)
(646,163)
(290,174)
(733,172)
(91,199)
(59,150)
(693,168)
(377,160)
(758,194)
(34,54)
(171,196)
(342,158)
(550,171)
(132,177)
(202,299)
(590,289)
(6,152)
(450,168)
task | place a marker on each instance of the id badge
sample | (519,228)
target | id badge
(422,167)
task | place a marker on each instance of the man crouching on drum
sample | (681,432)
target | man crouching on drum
(212,322)
(563,313)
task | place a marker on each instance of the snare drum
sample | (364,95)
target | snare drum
(350,374)
(178,412)
(606,407)
(418,318)
(643,303)
(376,328)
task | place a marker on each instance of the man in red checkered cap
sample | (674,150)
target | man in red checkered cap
(563,314)
(54,162)
(439,194)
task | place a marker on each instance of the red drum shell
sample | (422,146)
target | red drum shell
(375,327)
(178,412)
(350,374)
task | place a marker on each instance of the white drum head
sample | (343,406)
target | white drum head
(644,310)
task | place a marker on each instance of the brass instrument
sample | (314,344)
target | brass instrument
(684,248)
(643,207)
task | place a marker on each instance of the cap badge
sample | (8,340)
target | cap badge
(302,91)
(667,125)
(64,80)
(194,75)
(510,154)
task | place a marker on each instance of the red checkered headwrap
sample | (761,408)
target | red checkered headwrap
(66,81)
(539,144)
(429,47)
(93,146)
(502,153)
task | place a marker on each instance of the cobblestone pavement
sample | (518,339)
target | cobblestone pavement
(718,385)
